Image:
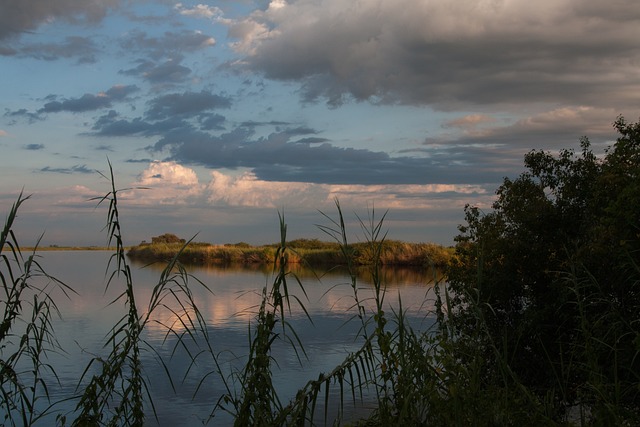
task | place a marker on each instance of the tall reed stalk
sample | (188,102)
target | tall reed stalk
(257,402)
(26,331)
(117,391)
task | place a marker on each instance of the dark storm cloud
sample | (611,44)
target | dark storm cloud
(89,102)
(448,54)
(83,169)
(81,48)
(19,16)
(168,44)
(278,157)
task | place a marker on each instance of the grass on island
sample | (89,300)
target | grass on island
(312,252)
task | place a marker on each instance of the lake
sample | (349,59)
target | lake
(229,308)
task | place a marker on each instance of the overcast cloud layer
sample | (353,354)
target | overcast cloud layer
(227,113)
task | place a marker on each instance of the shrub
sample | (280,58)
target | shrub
(552,274)
(168,239)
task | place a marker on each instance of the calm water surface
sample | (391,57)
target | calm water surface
(229,309)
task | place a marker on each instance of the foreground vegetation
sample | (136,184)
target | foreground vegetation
(538,324)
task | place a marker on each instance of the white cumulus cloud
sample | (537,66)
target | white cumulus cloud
(166,183)
(199,10)
(247,190)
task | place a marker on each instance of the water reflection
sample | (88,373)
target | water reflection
(228,299)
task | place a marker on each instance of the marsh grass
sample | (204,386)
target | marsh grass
(203,253)
(303,251)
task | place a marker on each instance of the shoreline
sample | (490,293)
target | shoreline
(64,248)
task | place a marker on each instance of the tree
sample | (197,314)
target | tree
(552,275)
(167,238)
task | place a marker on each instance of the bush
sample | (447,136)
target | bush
(168,239)
(552,274)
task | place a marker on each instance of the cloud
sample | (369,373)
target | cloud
(168,173)
(246,190)
(557,128)
(200,11)
(19,16)
(112,125)
(83,169)
(170,183)
(489,145)
(22,113)
(312,140)
(166,183)
(211,122)
(169,44)
(7,51)
(278,157)
(448,54)
(169,71)
(249,191)
(90,102)
(185,104)
(82,48)
(33,147)
(171,112)
(470,122)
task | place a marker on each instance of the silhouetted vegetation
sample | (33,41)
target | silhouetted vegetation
(552,279)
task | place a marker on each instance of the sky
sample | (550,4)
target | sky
(218,117)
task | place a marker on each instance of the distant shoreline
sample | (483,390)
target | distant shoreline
(64,248)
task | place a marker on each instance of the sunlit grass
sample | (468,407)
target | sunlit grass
(392,253)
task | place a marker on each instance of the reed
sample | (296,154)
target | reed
(117,392)
(26,331)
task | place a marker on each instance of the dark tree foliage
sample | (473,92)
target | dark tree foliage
(167,238)
(552,275)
